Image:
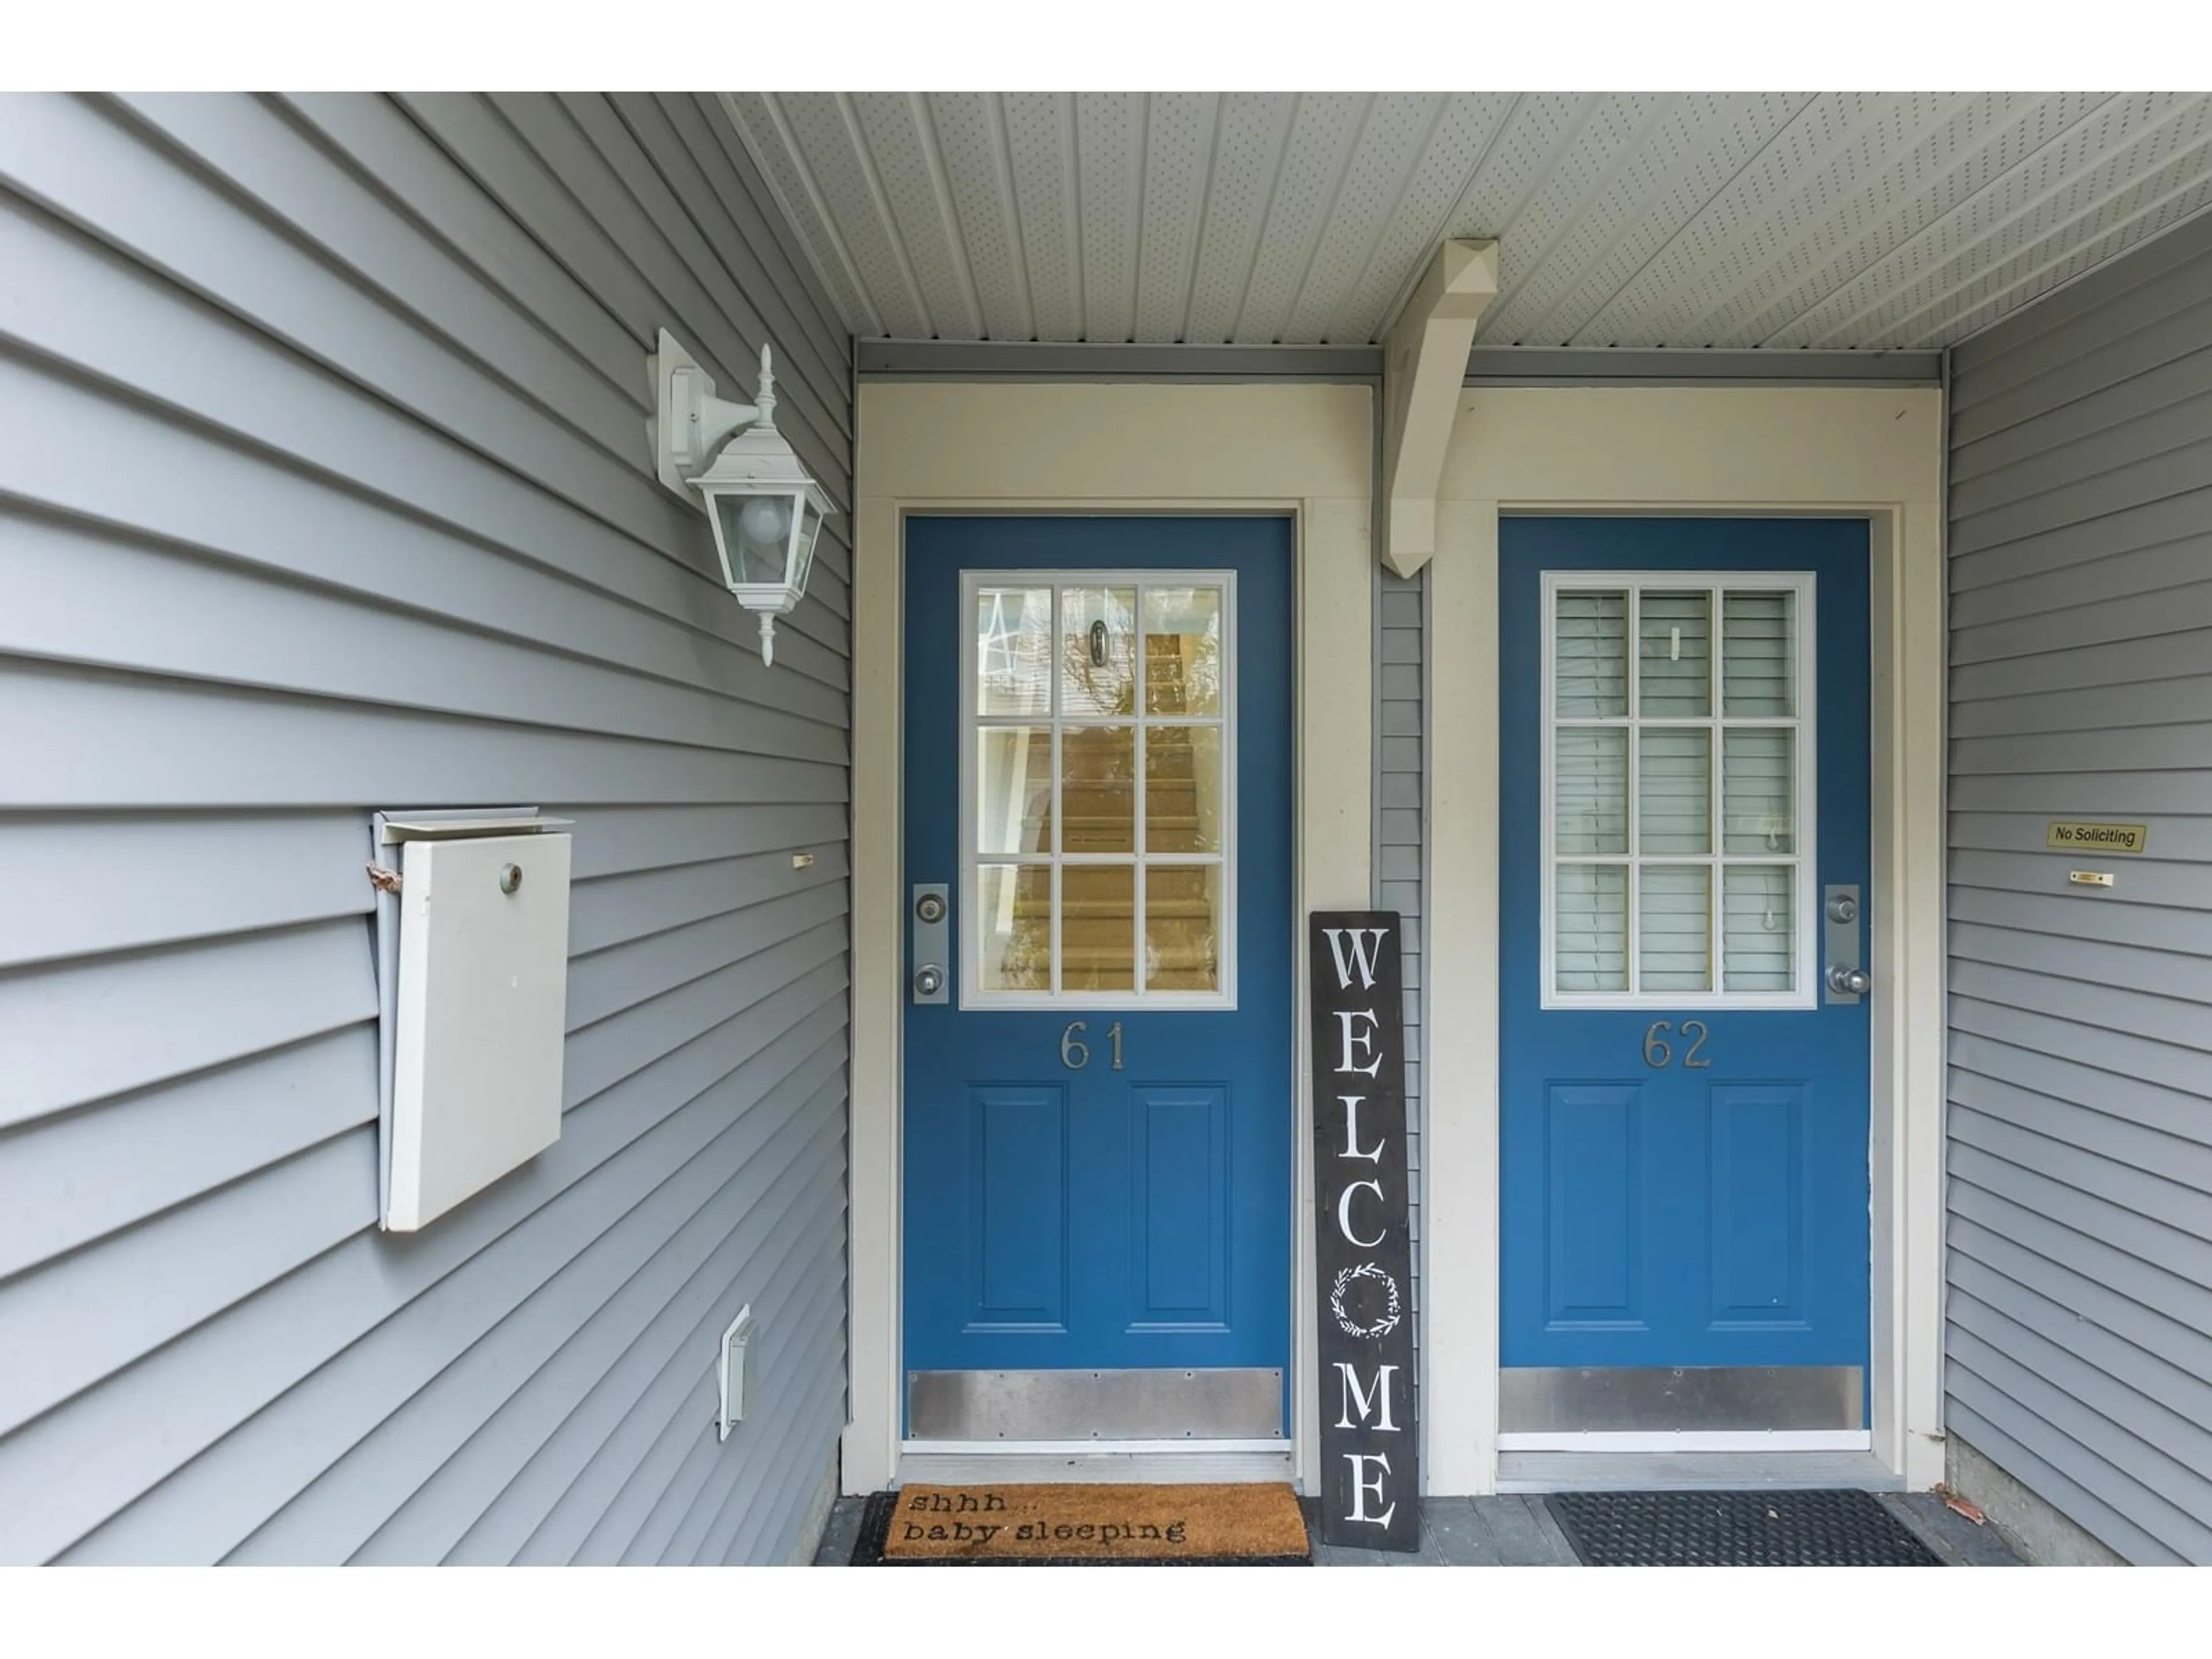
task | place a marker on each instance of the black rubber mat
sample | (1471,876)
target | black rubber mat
(1736,1530)
(876,1525)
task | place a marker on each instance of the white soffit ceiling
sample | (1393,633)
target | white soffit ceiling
(1769,219)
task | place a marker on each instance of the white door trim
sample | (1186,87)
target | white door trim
(1874,453)
(1306,451)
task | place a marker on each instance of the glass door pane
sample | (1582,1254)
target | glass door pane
(1759,942)
(1673,928)
(1759,654)
(1183,651)
(1183,927)
(1674,657)
(1098,651)
(1098,789)
(1590,928)
(1589,786)
(1674,790)
(1759,783)
(1013,926)
(1589,655)
(1183,789)
(1098,928)
(1013,651)
(1013,789)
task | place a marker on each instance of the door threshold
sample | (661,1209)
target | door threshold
(1686,1440)
(942,1462)
(1182,1445)
(1690,1471)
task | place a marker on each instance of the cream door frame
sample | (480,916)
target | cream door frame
(1866,451)
(1304,449)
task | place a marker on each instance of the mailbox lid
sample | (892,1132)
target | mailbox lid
(481,1008)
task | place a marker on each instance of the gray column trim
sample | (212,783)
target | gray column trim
(1674,365)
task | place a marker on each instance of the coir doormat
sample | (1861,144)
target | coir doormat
(1066,1525)
(1808,1529)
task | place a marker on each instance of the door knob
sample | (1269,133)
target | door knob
(1849,981)
(929,980)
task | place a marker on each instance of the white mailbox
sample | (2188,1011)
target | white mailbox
(479,1010)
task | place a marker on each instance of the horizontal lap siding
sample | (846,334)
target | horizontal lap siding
(2079,1350)
(1400,637)
(325,487)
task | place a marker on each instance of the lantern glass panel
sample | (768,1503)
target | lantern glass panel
(802,561)
(756,536)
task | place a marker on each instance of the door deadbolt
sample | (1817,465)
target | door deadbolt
(930,903)
(1844,907)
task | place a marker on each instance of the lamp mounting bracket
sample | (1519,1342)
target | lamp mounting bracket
(689,422)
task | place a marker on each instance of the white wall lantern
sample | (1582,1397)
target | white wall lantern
(765,508)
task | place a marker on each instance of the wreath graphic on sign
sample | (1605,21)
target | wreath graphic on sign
(1350,1326)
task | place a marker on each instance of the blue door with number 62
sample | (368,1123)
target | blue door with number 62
(1097,1119)
(1685,857)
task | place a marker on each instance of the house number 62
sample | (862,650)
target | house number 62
(1075,1053)
(1657,1052)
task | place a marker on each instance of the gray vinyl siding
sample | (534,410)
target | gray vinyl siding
(325,487)
(2079,1325)
(1400,824)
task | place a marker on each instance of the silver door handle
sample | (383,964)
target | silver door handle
(1849,981)
(930,980)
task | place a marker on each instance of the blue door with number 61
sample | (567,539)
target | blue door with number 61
(1097,1119)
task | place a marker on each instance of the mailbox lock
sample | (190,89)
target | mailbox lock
(930,906)
(510,878)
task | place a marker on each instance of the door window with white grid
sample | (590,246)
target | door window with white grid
(1099,789)
(1678,792)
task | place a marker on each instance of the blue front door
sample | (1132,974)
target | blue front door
(1685,773)
(1098,1101)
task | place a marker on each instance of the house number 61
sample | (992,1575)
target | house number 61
(1657,1052)
(1075,1053)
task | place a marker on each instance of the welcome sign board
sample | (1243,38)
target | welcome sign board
(1371,1472)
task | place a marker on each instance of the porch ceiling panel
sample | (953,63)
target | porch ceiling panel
(1777,220)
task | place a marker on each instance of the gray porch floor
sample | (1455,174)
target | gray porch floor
(1516,1530)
